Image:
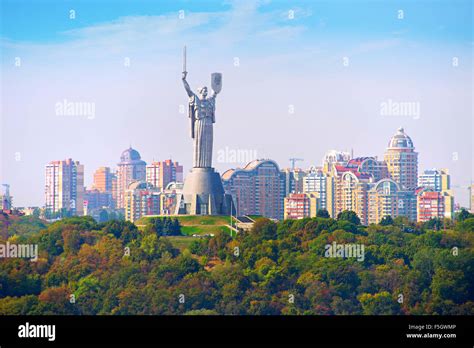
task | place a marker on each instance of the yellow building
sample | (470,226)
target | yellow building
(386,198)
(330,194)
(445,180)
(402,160)
(448,204)
(347,190)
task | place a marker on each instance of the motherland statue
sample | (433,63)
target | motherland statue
(202,115)
(203,193)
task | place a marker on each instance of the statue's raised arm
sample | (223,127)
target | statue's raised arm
(186,85)
(201,112)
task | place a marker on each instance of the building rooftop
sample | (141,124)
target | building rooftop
(227,174)
(131,156)
(400,140)
(336,156)
(255,163)
(140,185)
(356,162)
(353,170)
(249,167)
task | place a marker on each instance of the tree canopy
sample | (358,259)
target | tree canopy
(115,267)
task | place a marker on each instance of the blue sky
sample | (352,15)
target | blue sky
(282,61)
(430,20)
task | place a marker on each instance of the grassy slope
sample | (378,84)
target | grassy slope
(190,230)
(194,224)
(194,220)
(181,242)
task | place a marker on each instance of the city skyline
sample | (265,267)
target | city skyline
(373,189)
(293,93)
(115,169)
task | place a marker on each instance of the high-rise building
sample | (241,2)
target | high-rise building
(102,194)
(103,180)
(113,179)
(402,160)
(370,165)
(316,182)
(131,168)
(386,198)
(346,189)
(95,199)
(436,179)
(449,206)
(141,199)
(334,157)
(293,180)
(432,204)
(169,198)
(6,199)
(257,189)
(301,205)
(64,189)
(330,160)
(160,174)
(351,192)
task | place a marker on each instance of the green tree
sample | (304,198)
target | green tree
(25,305)
(466,225)
(433,224)
(381,303)
(322,213)
(120,227)
(463,215)
(350,216)
(449,285)
(386,221)
(264,228)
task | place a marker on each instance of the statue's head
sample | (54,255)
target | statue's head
(203,91)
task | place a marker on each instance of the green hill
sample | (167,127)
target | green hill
(195,224)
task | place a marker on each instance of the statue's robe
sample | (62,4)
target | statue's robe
(202,115)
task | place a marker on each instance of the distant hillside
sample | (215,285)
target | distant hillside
(20,225)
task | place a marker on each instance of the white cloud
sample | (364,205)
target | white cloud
(160,34)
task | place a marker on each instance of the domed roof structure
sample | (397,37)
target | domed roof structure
(174,185)
(140,185)
(130,156)
(253,165)
(400,140)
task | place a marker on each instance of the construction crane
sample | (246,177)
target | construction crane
(293,161)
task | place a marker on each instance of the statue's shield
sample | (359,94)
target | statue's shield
(216,82)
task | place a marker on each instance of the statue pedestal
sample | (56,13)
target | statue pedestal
(203,194)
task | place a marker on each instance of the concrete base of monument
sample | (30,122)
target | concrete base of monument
(203,194)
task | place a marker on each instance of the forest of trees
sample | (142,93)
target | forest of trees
(275,269)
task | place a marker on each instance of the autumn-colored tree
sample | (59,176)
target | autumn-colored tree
(276,268)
